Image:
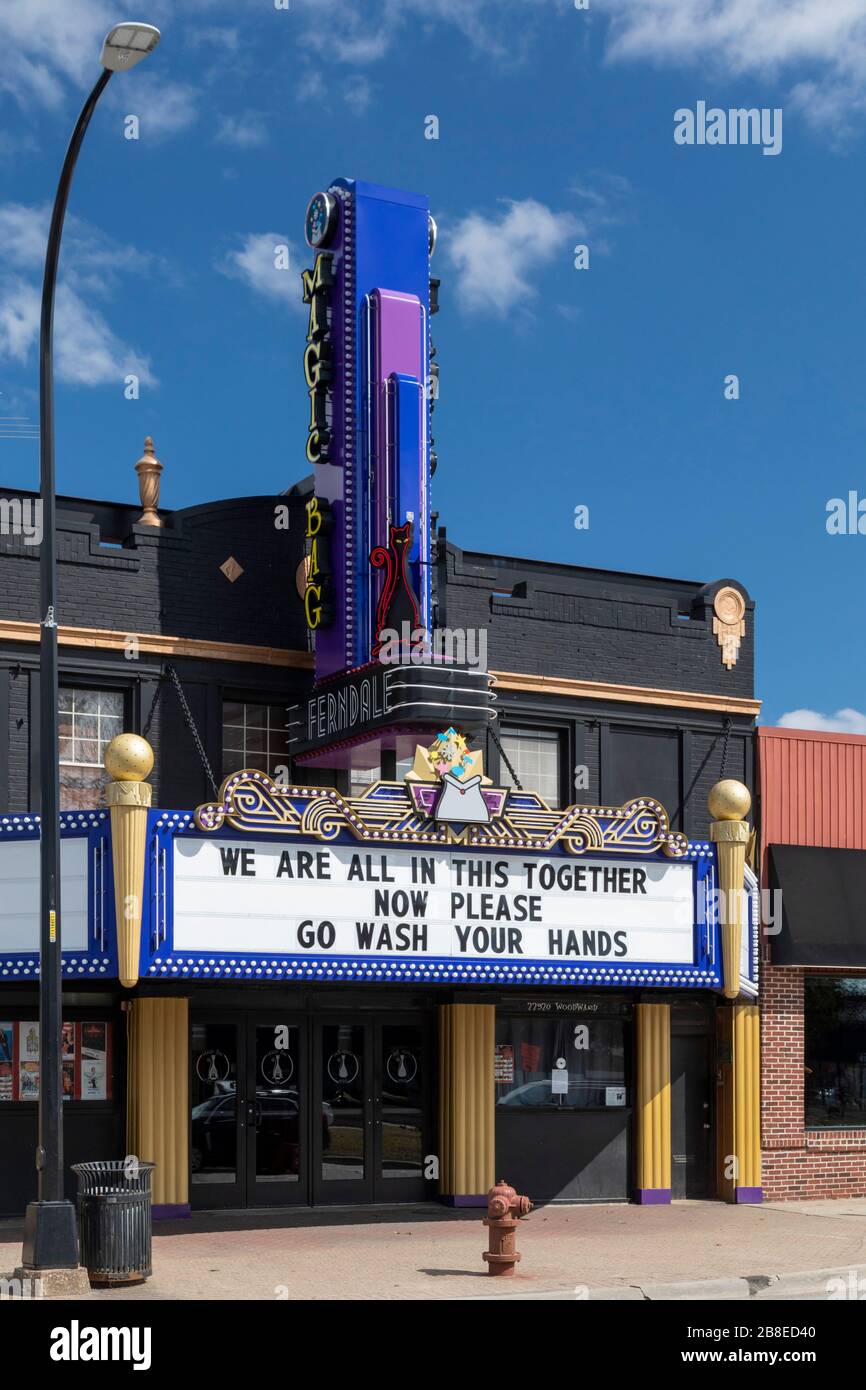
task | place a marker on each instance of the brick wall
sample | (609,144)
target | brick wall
(798,1163)
(595,625)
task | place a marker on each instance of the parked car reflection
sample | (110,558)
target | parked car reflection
(278,1132)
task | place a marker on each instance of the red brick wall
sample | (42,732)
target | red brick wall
(798,1163)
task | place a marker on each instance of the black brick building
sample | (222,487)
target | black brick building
(608,686)
(620,675)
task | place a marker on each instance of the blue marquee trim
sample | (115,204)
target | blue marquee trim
(99,960)
(159,960)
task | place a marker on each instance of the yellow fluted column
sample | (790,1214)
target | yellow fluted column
(158,1097)
(729,803)
(128,760)
(467,1142)
(747,1102)
(653,1103)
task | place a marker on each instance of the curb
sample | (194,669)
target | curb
(738,1288)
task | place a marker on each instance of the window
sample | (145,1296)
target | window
(561,1063)
(254,736)
(360,778)
(835,1052)
(89,719)
(642,762)
(534,755)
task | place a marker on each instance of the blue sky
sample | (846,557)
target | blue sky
(559,387)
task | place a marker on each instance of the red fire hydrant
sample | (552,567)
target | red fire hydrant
(504,1209)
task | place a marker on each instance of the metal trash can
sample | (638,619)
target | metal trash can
(114,1220)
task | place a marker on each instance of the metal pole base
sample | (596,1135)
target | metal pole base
(50,1237)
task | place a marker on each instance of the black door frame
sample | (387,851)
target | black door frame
(245,1192)
(276,1194)
(221,1195)
(372,1189)
(697,1023)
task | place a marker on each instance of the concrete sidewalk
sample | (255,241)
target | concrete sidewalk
(568,1252)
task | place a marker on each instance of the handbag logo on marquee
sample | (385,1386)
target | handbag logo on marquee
(460,795)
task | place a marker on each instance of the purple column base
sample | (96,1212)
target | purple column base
(171,1213)
(469,1200)
(653,1196)
(749,1195)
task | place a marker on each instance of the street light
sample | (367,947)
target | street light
(50,1238)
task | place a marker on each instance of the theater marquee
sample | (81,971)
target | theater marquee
(272,882)
(259,896)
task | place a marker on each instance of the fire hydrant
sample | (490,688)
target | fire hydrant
(504,1209)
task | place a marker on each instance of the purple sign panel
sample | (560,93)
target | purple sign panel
(367,366)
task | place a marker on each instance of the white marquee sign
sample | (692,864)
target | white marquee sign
(19,900)
(260,897)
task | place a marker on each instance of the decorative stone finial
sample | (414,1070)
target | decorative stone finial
(148,469)
(729,800)
(128,758)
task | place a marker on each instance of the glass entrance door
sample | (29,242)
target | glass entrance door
(249,1124)
(276,1115)
(373,1080)
(217,1156)
(332,1111)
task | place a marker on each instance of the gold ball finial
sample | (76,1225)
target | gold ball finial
(128,758)
(729,800)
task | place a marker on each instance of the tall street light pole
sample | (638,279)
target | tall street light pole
(50,1237)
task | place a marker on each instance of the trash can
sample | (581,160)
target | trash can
(114,1220)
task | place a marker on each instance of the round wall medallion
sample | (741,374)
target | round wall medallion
(321,219)
(729,605)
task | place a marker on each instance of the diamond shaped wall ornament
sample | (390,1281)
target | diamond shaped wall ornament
(231,569)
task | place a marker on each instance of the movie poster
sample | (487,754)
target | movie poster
(94,1061)
(6,1061)
(28,1060)
(67,1054)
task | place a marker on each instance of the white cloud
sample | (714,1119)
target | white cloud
(87,350)
(817,45)
(244,131)
(497,259)
(844,721)
(260,262)
(44,44)
(366,34)
(164,107)
(357,93)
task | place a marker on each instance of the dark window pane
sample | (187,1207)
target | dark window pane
(86,702)
(559,1063)
(835,1052)
(86,726)
(643,762)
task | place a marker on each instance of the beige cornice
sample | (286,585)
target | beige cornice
(153,644)
(627,694)
(158,644)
